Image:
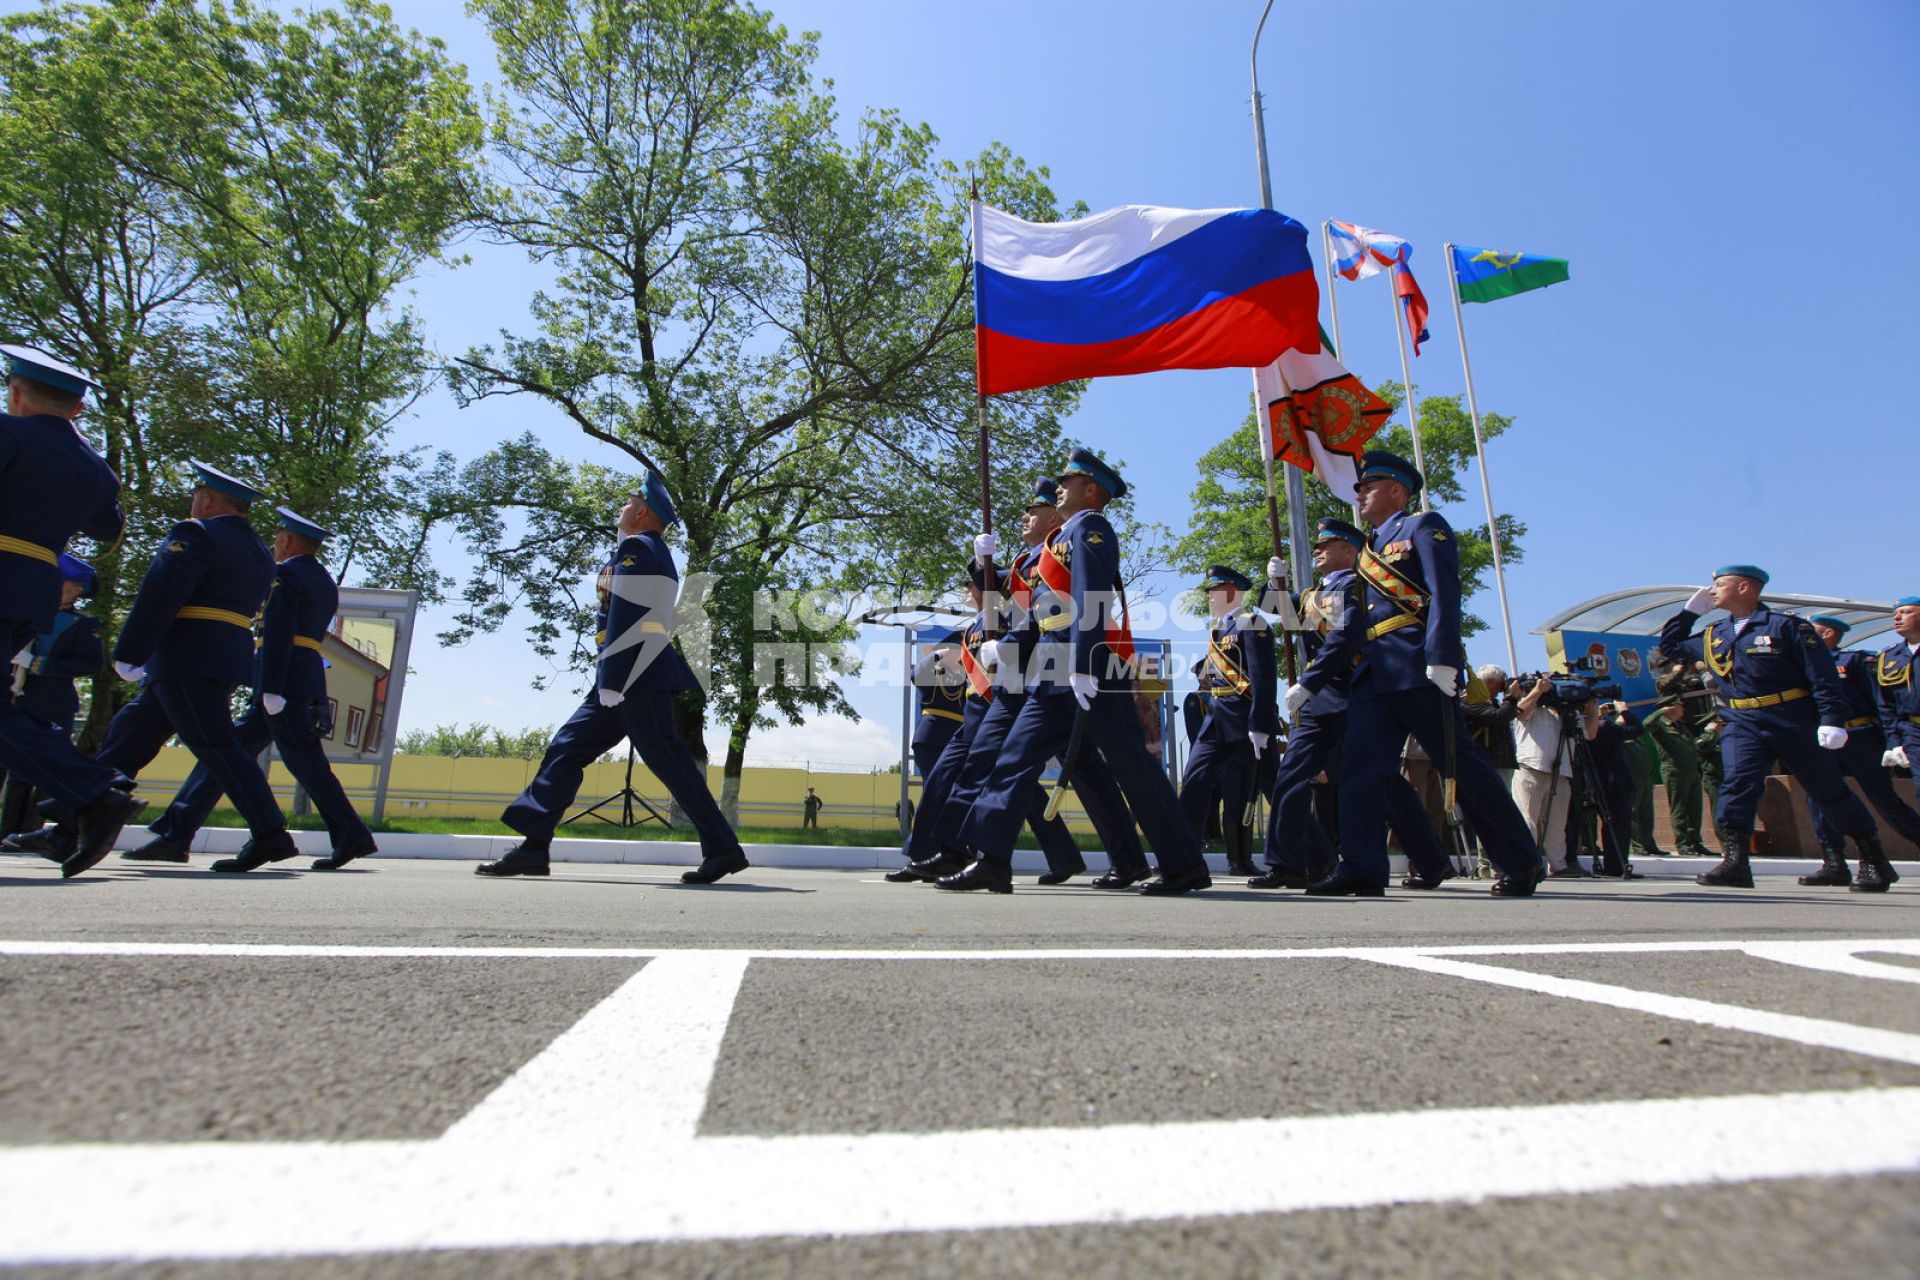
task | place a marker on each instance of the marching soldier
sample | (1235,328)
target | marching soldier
(1862,757)
(942,693)
(1298,851)
(134,737)
(1242,716)
(52,486)
(1784,703)
(638,673)
(1079,694)
(191,632)
(1899,688)
(1406,641)
(289,709)
(43,674)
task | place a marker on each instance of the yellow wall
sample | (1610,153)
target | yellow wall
(443,787)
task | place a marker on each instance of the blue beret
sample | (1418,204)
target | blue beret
(206,477)
(297,523)
(1907,600)
(1046,492)
(1753,571)
(74,569)
(1828,620)
(37,366)
(658,500)
(1221,575)
(1082,462)
(1331,529)
(1378,464)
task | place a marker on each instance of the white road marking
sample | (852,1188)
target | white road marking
(594,1140)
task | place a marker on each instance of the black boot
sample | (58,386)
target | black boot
(715,865)
(100,824)
(1733,871)
(346,853)
(55,843)
(976,876)
(1281,878)
(528,858)
(158,849)
(1876,873)
(1833,867)
(258,852)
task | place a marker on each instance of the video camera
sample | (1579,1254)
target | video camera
(1572,691)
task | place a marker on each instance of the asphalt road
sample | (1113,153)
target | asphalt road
(408,1071)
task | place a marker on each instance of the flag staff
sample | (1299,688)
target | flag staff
(988,578)
(1480,451)
(1333,297)
(1406,380)
(1296,482)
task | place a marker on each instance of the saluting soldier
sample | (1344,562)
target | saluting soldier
(52,486)
(1406,641)
(1080,672)
(289,709)
(638,673)
(1784,703)
(1242,715)
(1862,757)
(1298,851)
(190,632)
(1899,689)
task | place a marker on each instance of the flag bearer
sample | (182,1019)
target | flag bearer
(1242,716)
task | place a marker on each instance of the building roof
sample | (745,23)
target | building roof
(1640,611)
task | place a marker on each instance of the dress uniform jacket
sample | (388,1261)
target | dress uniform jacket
(1418,558)
(193,618)
(1240,652)
(299,612)
(1899,689)
(639,620)
(71,649)
(52,486)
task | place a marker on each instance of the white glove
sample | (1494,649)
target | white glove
(1832,736)
(610,697)
(1297,697)
(24,658)
(1899,755)
(990,655)
(1259,741)
(1700,601)
(985,545)
(1084,687)
(1445,679)
(1890,758)
(273,702)
(1276,569)
(131,674)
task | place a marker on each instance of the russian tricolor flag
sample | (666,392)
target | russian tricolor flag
(1137,289)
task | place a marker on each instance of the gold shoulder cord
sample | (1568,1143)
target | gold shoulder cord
(1718,661)
(1889,679)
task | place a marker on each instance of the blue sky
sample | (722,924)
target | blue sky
(1722,379)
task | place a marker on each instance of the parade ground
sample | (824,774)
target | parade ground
(403,1070)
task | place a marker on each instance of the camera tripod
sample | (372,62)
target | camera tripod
(629,801)
(1588,795)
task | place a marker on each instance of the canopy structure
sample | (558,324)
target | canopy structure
(1640,611)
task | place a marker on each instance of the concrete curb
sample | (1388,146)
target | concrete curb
(817,857)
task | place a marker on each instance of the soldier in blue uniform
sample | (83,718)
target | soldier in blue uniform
(1899,687)
(942,695)
(638,673)
(43,674)
(1299,851)
(1080,673)
(1862,757)
(1406,644)
(52,486)
(1785,703)
(134,737)
(190,633)
(289,709)
(1242,715)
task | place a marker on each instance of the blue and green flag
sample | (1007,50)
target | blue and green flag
(1487,274)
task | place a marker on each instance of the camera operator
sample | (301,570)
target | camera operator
(1614,740)
(1491,722)
(1543,778)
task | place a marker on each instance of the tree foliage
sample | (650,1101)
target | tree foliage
(774,314)
(476,741)
(1229,500)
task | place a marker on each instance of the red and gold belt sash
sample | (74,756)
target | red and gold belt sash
(1053,570)
(1406,594)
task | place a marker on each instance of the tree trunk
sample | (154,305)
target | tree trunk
(736,757)
(690,722)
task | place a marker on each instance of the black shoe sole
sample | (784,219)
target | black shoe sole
(481,870)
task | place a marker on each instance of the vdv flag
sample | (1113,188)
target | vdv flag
(1137,289)
(1359,252)
(1485,275)
(1316,415)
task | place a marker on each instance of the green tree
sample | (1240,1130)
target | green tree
(1229,500)
(477,741)
(775,317)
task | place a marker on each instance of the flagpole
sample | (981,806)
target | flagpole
(1296,482)
(1333,295)
(1406,380)
(988,578)
(1480,451)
